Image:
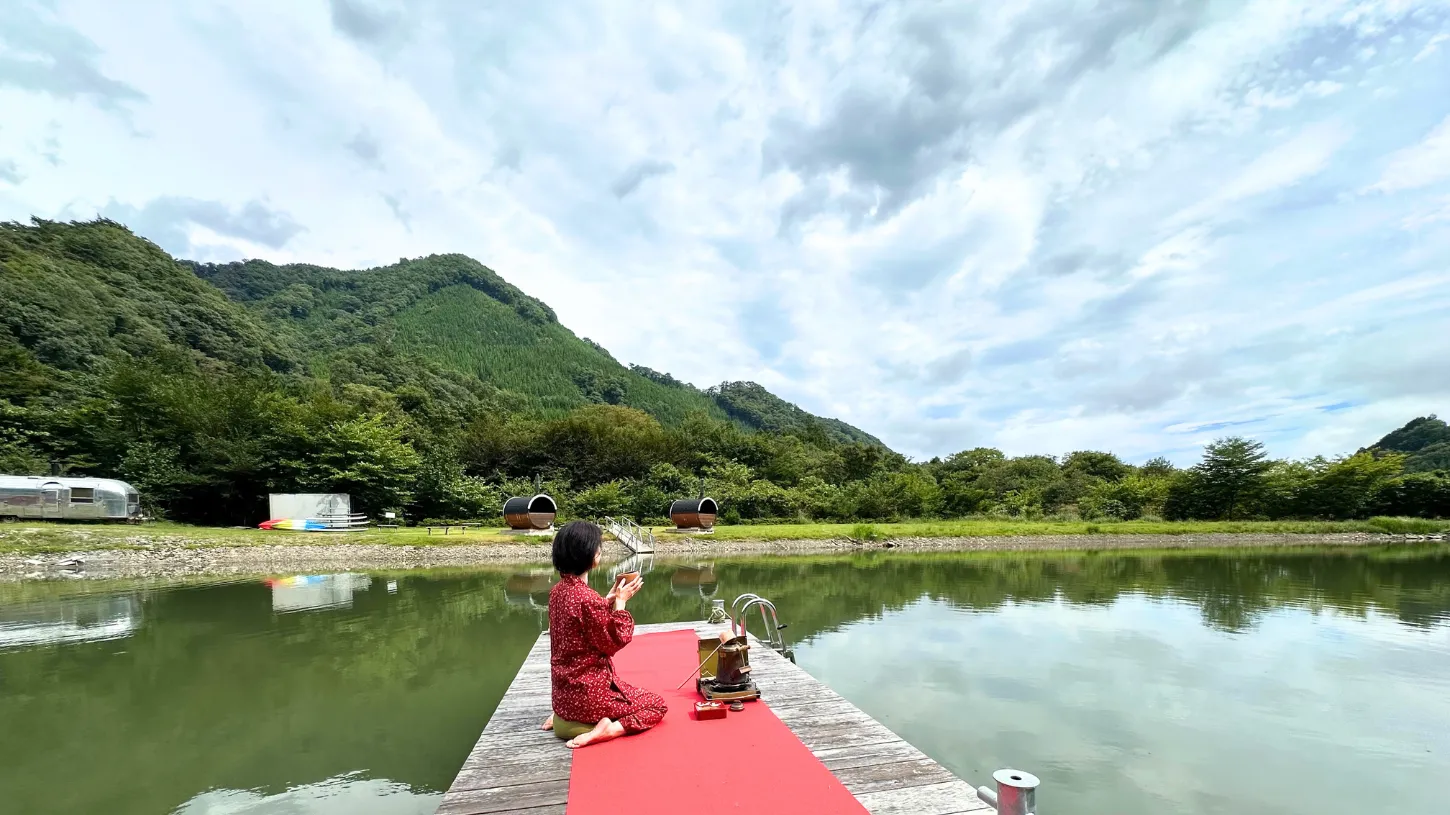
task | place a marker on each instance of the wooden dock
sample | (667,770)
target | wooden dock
(517,768)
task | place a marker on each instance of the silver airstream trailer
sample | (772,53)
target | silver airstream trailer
(67,499)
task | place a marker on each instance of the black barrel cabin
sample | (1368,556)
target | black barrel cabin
(694,513)
(530,513)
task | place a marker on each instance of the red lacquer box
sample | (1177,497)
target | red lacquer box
(709,710)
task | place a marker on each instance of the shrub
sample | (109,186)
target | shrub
(1410,526)
(600,500)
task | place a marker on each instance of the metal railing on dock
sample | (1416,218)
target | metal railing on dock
(636,538)
(739,621)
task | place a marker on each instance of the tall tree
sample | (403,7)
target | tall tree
(1347,487)
(1096,464)
(1232,473)
(1159,467)
(1426,495)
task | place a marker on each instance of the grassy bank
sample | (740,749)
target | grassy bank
(28,537)
(31,537)
(870,557)
(1011,528)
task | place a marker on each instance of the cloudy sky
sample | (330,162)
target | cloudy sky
(1042,226)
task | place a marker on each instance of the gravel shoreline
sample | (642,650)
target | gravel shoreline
(181,559)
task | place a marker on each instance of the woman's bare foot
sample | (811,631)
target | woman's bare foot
(602,732)
(548,723)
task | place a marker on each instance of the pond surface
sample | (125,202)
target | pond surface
(1292,682)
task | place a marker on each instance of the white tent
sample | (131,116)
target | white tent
(319,505)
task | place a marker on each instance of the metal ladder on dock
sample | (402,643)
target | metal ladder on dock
(739,616)
(636,538)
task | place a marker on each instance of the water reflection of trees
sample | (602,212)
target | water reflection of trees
(222,693)
(1232,591)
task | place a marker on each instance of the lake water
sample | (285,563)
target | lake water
(1293,682)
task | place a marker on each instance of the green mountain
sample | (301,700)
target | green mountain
(461,315)
(76,296)
(1424,441)
(435,387)
(754,406)
(444,326)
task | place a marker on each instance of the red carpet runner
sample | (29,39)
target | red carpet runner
(747,762)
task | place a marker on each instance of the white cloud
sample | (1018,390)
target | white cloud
(1184,251)
(1431,47)
(1306,155)
(1437,211)
(1418,165)
(965,224)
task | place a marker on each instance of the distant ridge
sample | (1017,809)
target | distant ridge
(1425,441)
(463,316)
(78,294)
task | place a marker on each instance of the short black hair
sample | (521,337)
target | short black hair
(575,545)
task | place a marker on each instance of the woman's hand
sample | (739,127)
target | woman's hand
(620,594)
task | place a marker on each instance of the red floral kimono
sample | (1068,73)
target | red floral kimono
(584,633)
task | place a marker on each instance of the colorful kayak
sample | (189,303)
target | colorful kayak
(296,525)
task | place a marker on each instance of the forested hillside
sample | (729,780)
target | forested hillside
(459,314)
(1425,443)
(75,298)
(213,384)
(754,406)
(435,387)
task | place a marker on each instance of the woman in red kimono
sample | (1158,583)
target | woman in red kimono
(591,703)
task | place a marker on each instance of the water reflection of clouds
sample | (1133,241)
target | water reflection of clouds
(342,795)
(69,620)
(1139,706)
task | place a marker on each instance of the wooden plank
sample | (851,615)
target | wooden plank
(527,682)
(521,720)
(897,775)
(475,776)
(522,738)
(547,809)
(826,712)
(523,703)
(778,697)
(486,755)
(947,798)
(525,719)
(505,799)
(531,683)
(861,755)
(825,738)
(517,768)
(524,698)
(506,767)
